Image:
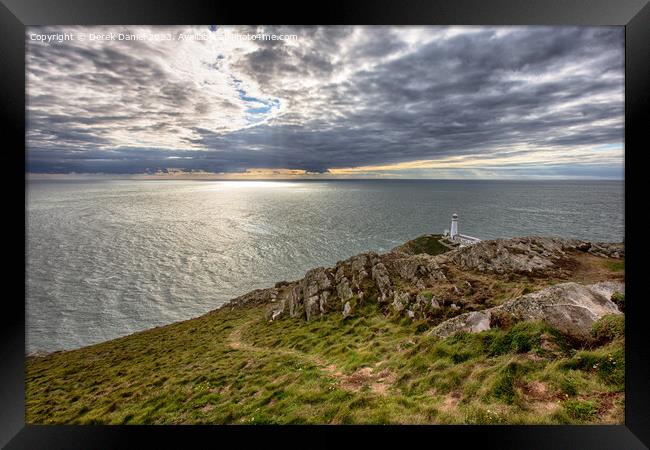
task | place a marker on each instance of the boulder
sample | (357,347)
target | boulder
(471,322)
(572,308)
(347,309)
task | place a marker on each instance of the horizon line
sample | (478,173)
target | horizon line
(146,177)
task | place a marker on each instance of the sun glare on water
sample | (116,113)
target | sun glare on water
(253,184)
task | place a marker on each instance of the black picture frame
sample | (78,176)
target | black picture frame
(634,15)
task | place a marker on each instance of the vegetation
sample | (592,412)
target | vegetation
(429,244)
(609,327)
(619,299)
(232,366)
(616,266)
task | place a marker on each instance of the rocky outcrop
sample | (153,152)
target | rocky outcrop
(323,290)
(606,249)
(572,308)
(520,255)
(528,255)
(418,285)
(389,279)
(256,297)
(419,270)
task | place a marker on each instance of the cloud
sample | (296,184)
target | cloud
(337,100)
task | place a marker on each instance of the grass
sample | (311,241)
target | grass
(616,266)
(235,367)
(609,328)
(429,244)
(579,410)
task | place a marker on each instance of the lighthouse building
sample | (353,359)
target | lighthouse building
(459,239)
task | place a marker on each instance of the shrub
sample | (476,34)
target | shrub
(619,299)
(579,410)
(608,328)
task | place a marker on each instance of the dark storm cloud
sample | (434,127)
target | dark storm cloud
(351,97)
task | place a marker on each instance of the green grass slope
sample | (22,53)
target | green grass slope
(231,366)
(428,243)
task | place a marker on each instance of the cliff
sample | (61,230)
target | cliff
(424,279)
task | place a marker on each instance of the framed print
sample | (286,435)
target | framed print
(394,223)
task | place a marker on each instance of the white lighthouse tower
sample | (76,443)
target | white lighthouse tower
(454,226)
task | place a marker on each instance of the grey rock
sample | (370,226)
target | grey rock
(325,302)
(382,280)
(358,265)
(572,308)
(347,309)
(295,301)
(312,307)
(400,300)
(316,280)
(519,255)
(608,249)
(420,270)
(471,322)
(343,290)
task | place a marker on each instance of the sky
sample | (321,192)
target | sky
(326,102)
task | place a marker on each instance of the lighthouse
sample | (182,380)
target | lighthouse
(454,226)
(453,238)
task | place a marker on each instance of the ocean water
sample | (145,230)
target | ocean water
(108,258)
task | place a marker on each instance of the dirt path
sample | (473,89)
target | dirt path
(379,382)
(235,341)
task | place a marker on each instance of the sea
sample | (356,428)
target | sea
(107,258)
